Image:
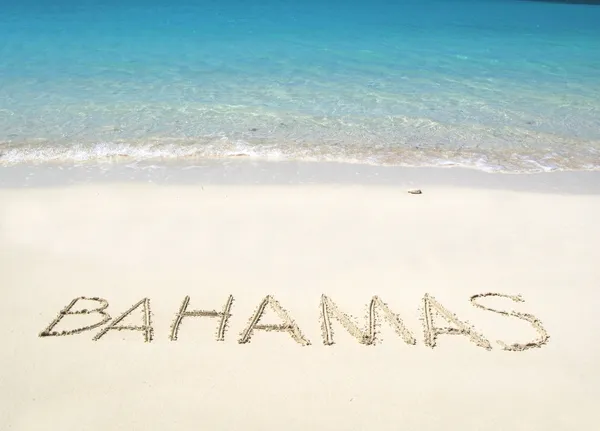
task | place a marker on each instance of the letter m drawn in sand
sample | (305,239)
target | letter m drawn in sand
(329,310)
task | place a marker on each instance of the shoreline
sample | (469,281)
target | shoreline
(253,172)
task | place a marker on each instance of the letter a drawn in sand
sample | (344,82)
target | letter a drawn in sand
(368,336)
(430,305)
(224,317)
(537,324)
(146,328)
(48,332)
(288,324)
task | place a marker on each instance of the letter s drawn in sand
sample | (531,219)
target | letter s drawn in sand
(224,316)
(146,328)
(535,322)
(48,332)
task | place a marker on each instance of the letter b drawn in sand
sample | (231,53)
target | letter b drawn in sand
(431,306)
(224,317)
(48,332)
(368,336)
(146,328)
(543,339)
(288,324)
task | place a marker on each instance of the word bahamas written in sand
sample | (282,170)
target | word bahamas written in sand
(378,312)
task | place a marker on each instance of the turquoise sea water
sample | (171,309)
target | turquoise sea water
(495,84)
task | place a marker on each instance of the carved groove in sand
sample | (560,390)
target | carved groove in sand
(223,316)
(535,322)
(431,309)
(48,332)
(146,328)
(329,310)
(288,324)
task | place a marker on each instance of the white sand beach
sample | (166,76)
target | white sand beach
(535,367)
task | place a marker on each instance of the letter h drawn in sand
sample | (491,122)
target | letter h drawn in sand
(223,316)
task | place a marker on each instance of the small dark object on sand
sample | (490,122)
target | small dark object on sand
(254,129)
(415,192)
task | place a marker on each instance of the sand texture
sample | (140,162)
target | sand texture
(317,307)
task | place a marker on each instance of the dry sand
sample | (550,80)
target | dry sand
(298,308)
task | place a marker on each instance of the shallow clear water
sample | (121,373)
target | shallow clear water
(495,84)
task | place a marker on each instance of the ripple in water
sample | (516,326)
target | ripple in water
(403,83)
